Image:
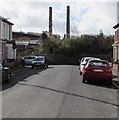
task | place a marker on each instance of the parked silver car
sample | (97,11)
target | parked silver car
(28,59)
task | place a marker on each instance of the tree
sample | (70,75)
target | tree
(101,33)
(86,44)
(44,36)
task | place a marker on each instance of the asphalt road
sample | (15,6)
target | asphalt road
(56,92)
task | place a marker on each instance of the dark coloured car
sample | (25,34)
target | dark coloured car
(6,73)
(40,61)
(97,70)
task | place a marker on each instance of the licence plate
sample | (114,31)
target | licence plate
(38,64)
(97,70)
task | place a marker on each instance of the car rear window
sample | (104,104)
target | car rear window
(32,57)
(38,59)
(87,60)
(29,57)
(26,57)
(98,64)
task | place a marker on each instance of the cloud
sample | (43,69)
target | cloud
(59,1)
(99,16)
(86,17)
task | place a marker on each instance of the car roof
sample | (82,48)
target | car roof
(88,57)
(85,58)
(30,56)
(40,56)
(98,60)
(95,58)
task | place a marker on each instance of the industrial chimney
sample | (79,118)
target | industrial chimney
(50,21)
(68,22)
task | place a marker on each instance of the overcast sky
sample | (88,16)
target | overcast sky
(87,17)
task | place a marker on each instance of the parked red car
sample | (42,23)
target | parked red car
(97,70)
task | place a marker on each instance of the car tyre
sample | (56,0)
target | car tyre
(46,66)
(109,82)
(80,73)
(32,66)
(83,80)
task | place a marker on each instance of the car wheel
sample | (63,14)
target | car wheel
(80,73)
(83,80)
(32,66)
(109,82)
(46,66)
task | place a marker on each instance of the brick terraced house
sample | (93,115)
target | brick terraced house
(116,46)
(7,47)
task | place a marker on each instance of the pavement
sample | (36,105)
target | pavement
(115,72)
(115,77)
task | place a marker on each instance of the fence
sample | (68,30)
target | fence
(57,59)
(72,60)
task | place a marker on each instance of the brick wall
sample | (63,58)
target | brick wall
(116,35)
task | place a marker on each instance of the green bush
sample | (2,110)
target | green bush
(85,44)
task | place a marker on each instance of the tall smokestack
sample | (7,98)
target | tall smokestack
(50,21)
(68,22)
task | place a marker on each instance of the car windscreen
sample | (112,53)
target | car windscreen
(38,59)
(99,64)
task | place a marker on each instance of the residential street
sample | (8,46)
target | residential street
(56,92)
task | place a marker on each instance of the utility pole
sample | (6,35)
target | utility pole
(68,22)
(50,21)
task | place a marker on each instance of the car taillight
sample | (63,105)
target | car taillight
(86,70)
(109,70)
(83,70)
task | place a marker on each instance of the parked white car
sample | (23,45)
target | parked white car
(84,61)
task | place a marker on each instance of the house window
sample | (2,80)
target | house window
(10,32)
(115,53)
(114,56)
(3,36)
(7,33)
(117,34)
